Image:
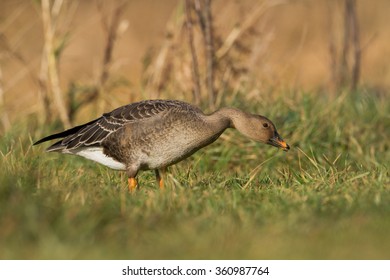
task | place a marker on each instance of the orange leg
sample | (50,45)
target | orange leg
(160,180)
(132,184)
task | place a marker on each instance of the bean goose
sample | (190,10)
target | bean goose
(153,134)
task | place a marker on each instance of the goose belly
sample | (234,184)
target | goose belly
(96,154)
(171,152)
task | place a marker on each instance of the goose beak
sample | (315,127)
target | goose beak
(278,142)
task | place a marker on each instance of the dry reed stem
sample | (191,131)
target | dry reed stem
(26,70)
(52,60)
(354,25)
(172,60)
(111,36)
(110,28)
(156,80)
(333,65)
(195,66)
(4,115)
(345,67)
(12,17)
(205,21)
(238,31)
(346,46)
(111,33)
(210,54)
(158,69)
(11,50)
(43,93)
(19,58)
(159,72)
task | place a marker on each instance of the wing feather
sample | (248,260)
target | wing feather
(95,132)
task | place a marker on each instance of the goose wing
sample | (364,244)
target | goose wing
(95,132)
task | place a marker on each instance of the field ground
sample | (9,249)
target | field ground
(327,198)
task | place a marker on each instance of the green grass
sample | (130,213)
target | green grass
(327,198)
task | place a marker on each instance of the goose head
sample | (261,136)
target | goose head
(260,129)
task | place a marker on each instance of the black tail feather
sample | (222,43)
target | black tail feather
(65,133)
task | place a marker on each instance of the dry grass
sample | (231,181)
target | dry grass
(288,47)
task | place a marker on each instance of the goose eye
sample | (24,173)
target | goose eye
(265,125)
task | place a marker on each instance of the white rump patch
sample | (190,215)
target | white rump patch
(96,154)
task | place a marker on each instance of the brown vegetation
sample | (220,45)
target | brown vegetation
(58,56)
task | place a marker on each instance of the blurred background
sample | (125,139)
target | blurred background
(318,68)
(59,57)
